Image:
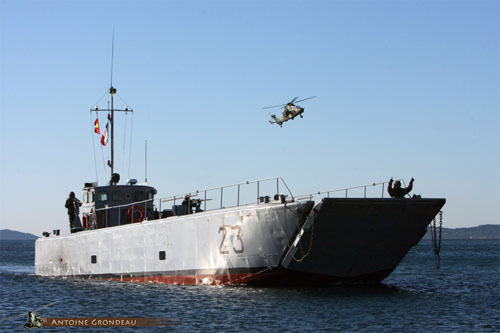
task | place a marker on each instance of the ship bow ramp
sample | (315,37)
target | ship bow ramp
(358,240)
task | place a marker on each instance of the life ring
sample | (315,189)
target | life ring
(135,210)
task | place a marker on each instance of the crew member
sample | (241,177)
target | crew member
(397,191)
(72,204)
(186,200)
(190,204)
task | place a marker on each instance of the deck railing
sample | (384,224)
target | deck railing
(142,203)
(245,193)
(344,192)
(233,195)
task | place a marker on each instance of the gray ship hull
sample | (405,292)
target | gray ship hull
(335,241)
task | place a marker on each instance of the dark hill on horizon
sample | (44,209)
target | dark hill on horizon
(485,231)
(6,234)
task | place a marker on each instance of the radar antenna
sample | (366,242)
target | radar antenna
(112,55)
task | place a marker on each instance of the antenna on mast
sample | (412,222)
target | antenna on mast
(111,111)
(146,161)
(112,55)
(112,92)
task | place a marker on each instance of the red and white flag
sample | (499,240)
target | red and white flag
(96,126)
(104,136)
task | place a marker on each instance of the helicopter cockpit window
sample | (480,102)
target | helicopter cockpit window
(117,196)
(103,196)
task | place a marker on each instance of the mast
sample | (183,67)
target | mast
(112,91)
(111,110)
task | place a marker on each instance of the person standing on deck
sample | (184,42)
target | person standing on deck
(72,204)
(397,191)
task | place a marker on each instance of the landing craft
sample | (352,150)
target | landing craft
(127,234)
(290,111)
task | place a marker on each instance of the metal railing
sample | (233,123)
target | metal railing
(127,206)
(220,198)
(242,197)
(268,186)
(344,191)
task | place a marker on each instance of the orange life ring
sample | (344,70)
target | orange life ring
(134,210)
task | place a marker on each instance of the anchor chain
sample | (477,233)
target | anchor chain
(436,238)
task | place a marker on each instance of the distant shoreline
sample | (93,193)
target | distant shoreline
(485,231)
(7,234)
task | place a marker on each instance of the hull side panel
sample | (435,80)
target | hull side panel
(208,243)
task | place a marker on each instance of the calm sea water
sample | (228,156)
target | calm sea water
(462,296)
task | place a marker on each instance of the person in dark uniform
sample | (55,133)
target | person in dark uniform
(72,204)
(397,191)
(187,203)
(190,204)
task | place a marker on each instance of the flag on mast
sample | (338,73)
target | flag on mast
(105,136)
(96,126)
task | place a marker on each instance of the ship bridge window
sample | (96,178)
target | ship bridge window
(150,195)
(140,196)
(117,196)
(103,196)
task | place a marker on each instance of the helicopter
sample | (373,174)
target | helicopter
(290,111)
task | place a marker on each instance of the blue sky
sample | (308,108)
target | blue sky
(404,89)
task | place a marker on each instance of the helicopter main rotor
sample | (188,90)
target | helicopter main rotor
(291,102)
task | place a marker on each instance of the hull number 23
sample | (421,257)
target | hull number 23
(232,233)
